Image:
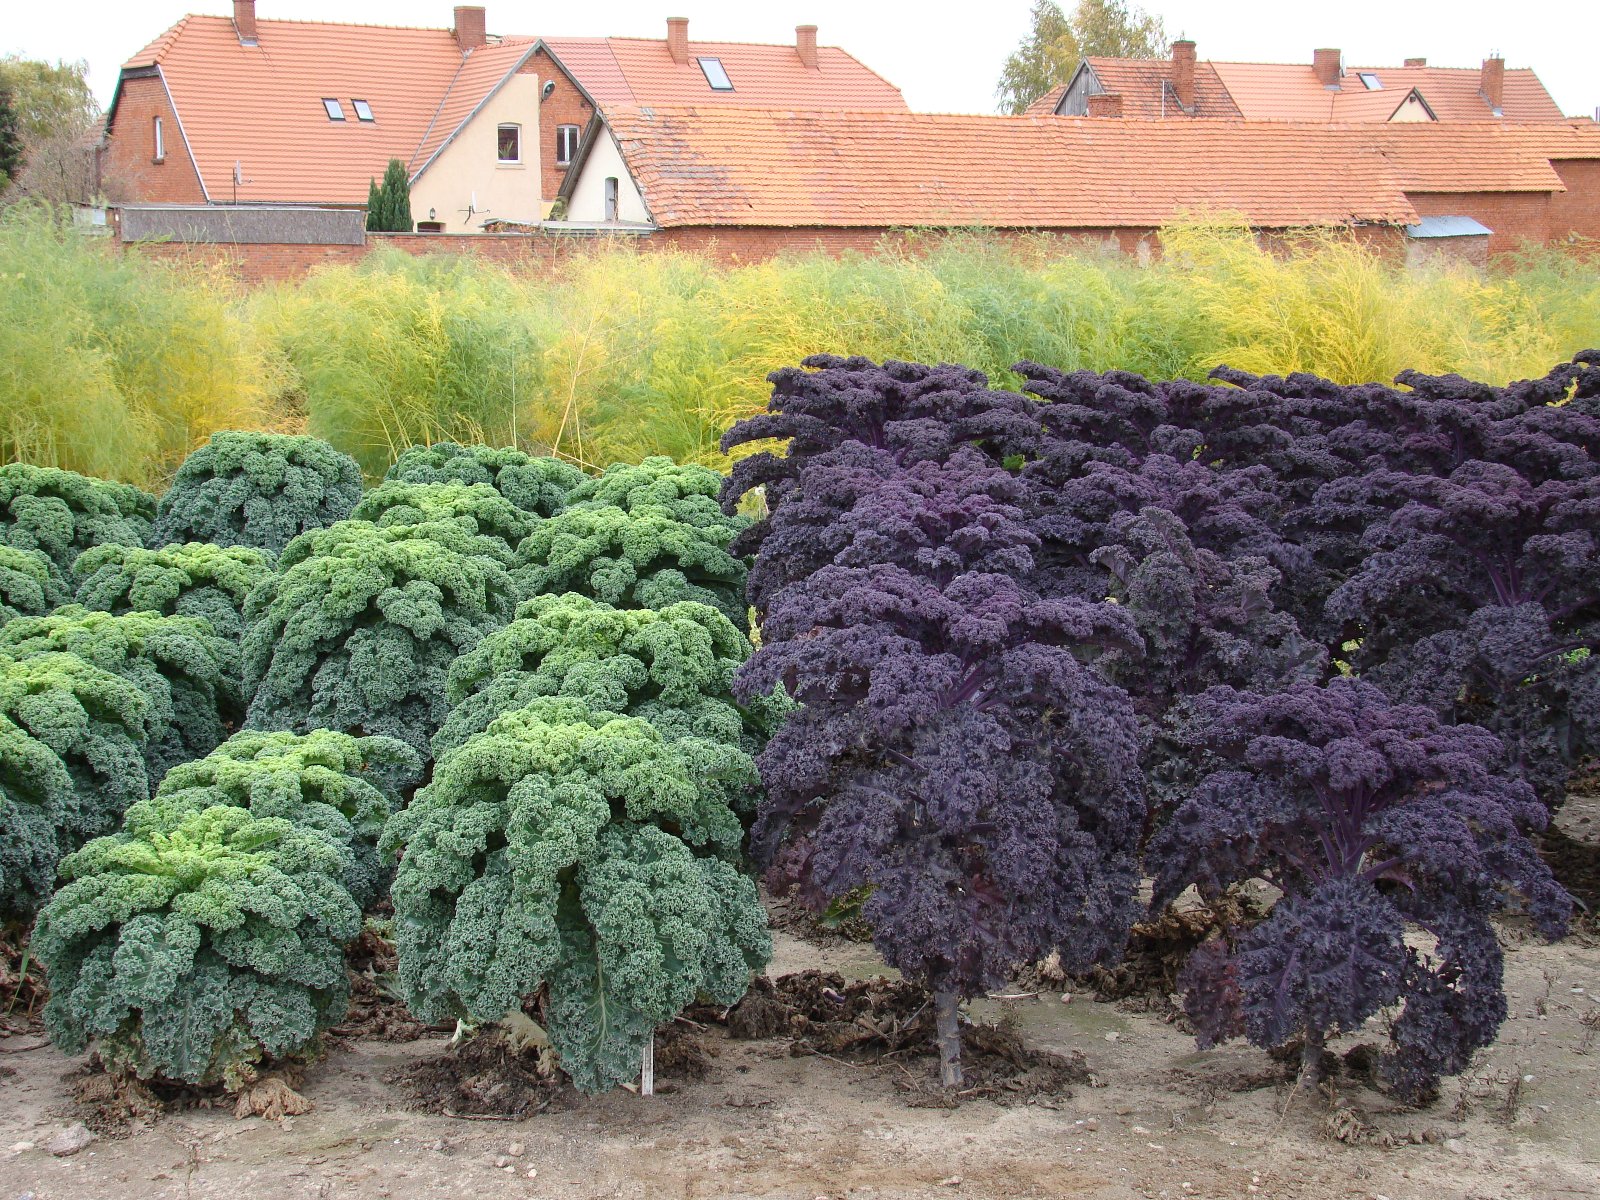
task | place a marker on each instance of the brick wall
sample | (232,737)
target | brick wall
(546,254)
(1576,210)
(128,169)
(565,106)
(1512,217)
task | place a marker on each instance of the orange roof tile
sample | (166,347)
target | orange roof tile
(728,166)
(1045,105)
(1484,156)
(261,106)
(633,71)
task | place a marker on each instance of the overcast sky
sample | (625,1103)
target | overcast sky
(945,56)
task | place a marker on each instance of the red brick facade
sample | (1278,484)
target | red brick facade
(1576,210)
(1512,217)
(129,168)
(564,106)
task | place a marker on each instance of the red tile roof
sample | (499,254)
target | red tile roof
(636,71)
(729,166)
(261,106)
(1292,92)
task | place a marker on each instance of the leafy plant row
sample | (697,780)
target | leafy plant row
(1336,640)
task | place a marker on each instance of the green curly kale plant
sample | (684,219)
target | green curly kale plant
(587,854)
(687,491)
(35,793)
(644,558)
(188,673)
(342,786)
(673,667)
(191,579)
(256,489)
(29,584)
(535,485)
(95,722)
(476,507)
(192,946)
(63,513)
(358,628)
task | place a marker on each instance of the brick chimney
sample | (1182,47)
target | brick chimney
(1182,75)
(1105,104)
(678,40)
(244,21)
(1492,83)
(1416,62)
(471,26)
(1329,66)
(805,44)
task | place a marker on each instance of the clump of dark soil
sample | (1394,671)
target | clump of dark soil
(890,1023)
(112,1106)
(1576,865)
(484,1076)
(22,987)
(1146,979)
(793,916)
(376,1010)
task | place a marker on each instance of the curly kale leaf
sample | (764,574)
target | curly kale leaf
(357,630)
(341,786)
(256,489)
(585,852)
(188,674)
(195,579)
(645,558)
(535,485)
(62,513)
(30,585)
(477,508)
(193,945)
(1371,818)
(673,666)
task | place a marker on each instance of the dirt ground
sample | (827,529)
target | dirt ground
(1156,1120)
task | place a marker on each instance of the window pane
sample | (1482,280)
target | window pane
(334,108)
(510,143)
(715,75)
(363,109)
(566,144)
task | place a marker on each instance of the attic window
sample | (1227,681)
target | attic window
(334,108)
(363,110)
(716,76)
(1371,80)
(509,142)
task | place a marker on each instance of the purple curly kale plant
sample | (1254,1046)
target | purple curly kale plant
(953,755)
(1480,597)
(1374,820)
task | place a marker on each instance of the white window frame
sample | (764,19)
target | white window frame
(613,198)
(333,107)
(720,69)
(501,159)
(1370,81)
(161,142)
(567,139)
(363,110)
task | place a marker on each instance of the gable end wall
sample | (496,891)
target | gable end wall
(128,170)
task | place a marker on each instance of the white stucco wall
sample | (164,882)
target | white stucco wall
(588,200)
(469,166)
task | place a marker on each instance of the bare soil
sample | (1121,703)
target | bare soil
(819,1105)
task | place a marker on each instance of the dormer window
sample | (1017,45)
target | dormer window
(715,74)
(1371,81)
(363,110)
(334,109)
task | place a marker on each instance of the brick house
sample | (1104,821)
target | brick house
(1322,90)
(764,177)
(241,110)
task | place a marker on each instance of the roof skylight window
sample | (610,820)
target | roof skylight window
(334,108)
(363,110)
(1372,82)
(716,76)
